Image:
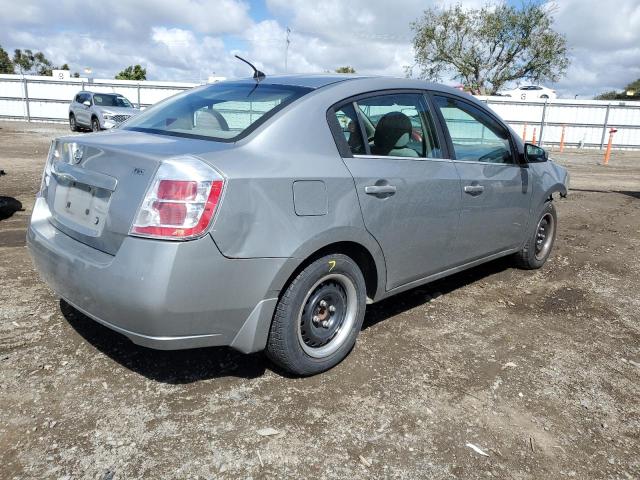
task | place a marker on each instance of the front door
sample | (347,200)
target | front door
(409,195)
(495,189)
(83,116)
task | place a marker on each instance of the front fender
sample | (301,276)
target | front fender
(550,178)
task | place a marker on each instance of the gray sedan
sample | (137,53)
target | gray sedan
(266,215)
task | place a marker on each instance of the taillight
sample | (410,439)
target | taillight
(53,156)
(181,202)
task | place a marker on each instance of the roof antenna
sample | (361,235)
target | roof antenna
(257,74)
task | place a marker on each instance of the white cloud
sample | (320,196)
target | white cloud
(190,39)
(604,42)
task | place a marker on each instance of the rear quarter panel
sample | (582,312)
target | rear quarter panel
(258,217)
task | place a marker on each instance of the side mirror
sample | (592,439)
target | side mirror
(86,103)
(533,153)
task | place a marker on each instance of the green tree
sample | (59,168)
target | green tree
(34,63)
(487,47)
(630,92)
(132,72)
(346,69)
(65,66)
(6,65)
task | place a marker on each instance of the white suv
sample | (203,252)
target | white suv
(99,111)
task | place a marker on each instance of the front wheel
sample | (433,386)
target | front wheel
(318,317)
(95,125)
(540,243)
(72,123)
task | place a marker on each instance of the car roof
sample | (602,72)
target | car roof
(303,80)
(364,82)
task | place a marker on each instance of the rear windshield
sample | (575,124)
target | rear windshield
(106,100)
(224,111)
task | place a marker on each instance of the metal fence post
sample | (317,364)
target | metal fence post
(26,99)
(138,95)
(544,114)
(606,124)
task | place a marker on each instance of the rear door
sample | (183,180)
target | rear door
(495,187)
(409,194)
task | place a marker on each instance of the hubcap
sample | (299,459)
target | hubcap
(544,235)
(327,315)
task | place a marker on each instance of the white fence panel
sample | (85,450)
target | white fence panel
(586,122)
(48,99)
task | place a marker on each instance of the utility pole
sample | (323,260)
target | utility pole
(286,49)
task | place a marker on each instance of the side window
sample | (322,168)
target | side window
(399,125)
(78,98)
(475,135)
(348,121)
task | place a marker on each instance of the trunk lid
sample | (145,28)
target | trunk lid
(94,195)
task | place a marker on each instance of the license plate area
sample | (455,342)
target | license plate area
(81,207)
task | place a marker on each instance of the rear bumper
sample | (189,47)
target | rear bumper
(160,294)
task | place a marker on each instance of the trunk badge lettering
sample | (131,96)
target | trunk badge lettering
(138,171)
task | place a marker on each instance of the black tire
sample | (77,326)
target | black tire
(301,323)
(73,126)
(95,124)
(539,245)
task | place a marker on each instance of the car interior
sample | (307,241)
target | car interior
(394,125)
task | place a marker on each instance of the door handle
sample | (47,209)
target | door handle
(473,189)
(380,189)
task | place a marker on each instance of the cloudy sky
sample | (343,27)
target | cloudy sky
(188,40)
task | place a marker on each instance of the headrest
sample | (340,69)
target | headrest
(211,119)
(403,141)
(393,131)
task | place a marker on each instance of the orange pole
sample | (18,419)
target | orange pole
(524,133)
(607,154)
(533,139)
(562,140)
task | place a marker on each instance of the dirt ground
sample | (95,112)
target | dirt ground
(538,369)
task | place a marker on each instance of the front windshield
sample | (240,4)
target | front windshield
(223,111)
(108,100)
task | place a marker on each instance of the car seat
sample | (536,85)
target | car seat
(392,135)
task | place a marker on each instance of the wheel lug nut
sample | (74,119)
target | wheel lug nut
(316,319)
(323,303)
(332,308)
(325,324)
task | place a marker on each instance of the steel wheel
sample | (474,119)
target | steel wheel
(328,313)
(318,316)
(544,235)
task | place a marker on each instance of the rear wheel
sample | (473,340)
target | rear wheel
(539,245)
(545,96)
(72,123)
(95,125)
(318,317)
